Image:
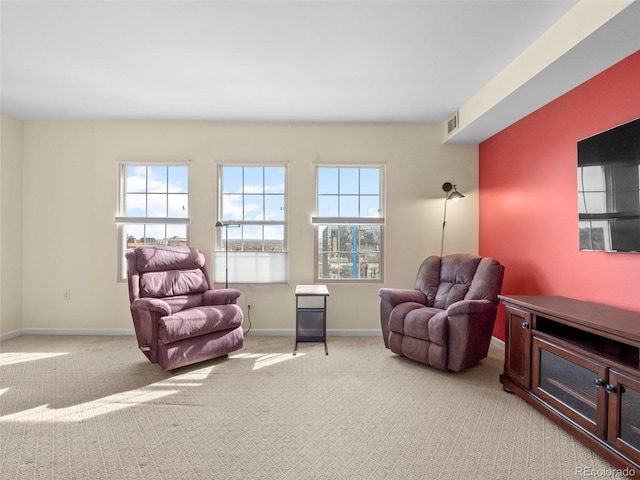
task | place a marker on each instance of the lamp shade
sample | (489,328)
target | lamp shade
(455,195)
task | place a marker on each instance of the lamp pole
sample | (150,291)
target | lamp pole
(220,224)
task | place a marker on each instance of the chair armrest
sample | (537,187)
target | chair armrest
(471,307)
(222,296)
(389,298)
(470,329)
(151,305)
(394,296)
(146,313)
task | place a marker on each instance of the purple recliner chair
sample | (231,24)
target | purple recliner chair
(178,318)
(447,320)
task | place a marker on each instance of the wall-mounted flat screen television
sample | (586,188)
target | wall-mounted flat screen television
(609,189)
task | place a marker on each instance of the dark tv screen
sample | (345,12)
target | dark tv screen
(609,189)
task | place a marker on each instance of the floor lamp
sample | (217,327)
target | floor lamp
(220,224)
(455,196)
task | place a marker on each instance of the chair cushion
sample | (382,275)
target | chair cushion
(199,321)
(456,275)
(417,321)
(172,282)
(156,259)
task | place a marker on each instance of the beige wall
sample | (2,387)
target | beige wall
(70,192)
(11,158)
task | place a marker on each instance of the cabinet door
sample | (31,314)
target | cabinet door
(517,358)
(572,384)
(624,414)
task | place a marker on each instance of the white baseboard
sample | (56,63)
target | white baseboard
(284,332)
(8,335)
(66,331)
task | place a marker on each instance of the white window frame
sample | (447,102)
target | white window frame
(248,267)
(122,220)
(322,222)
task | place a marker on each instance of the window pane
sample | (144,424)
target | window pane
(349,252)
(274,238)
(253,209)
(253,180)
(231,179)
(252,238)
(274,180)
(178,206)
(349,181)
(178,179)
(591,178)
(134,235)
(595,235)
(136,205)
(177,235)
(235,234)
(156,205)
(349,206)
(358,192)
(328,206)
(327,181)
(232,207)
(274,207)
(157,179)
(370,181)
(136,179)
(155,235)
(593,202)
(370,206)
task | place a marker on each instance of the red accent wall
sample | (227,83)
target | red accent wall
(529,200)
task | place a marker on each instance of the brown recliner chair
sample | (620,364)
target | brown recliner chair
(178,318)
(447,320)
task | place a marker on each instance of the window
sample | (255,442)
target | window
(349,224)
(595,234)
(251,245)
(153,207)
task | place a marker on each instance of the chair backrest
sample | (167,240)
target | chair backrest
(166,271)
(449,279)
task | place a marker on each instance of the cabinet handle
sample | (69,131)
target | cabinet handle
(599,382)
(525,324)
(610,388)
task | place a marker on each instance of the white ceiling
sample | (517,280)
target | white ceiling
(299,61)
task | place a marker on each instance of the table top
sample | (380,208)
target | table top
(606,320)
(312,290)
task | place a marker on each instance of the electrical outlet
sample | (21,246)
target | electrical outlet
(66,294)
(249,299)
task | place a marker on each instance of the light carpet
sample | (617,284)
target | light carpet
(93,407)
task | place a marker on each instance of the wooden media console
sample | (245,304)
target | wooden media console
(579,364)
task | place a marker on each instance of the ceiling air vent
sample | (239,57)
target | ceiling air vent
(452,123)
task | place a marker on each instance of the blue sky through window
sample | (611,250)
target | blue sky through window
(253,196)
(348,192)
(157,191)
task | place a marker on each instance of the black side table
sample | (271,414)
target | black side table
(311,315)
